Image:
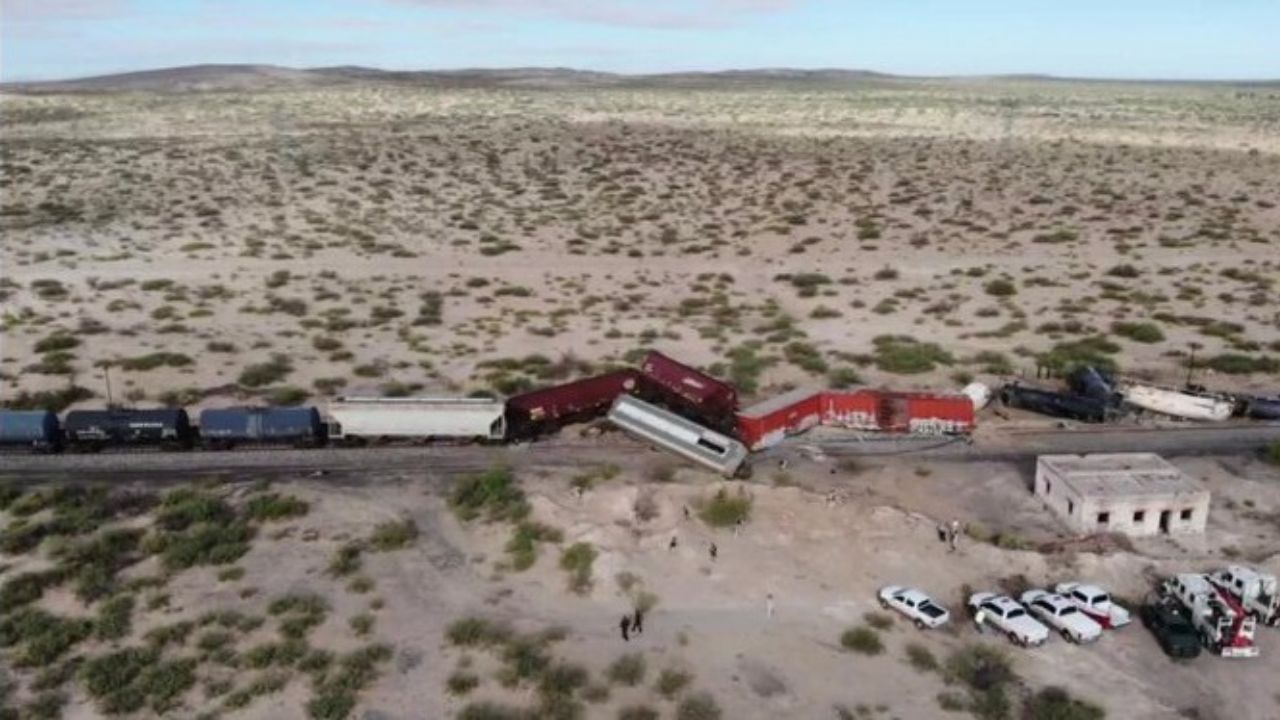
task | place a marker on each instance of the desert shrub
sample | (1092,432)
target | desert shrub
(154,360)
(286,395)
(493,493)
(905,355)
(886,273)
(283,654)
(1240,364)
(844,377)
(26,588)
(173,634)
(45,706)
(59,340)
(1065,357)
(347,559)
(477,632)
(627,669)
(462,682)
(268,373)
(1124,271)
(804,356)
(862,640)
(1000,288)
(274,506)
(55,400)
(577,560)
(921,658)
(335,696)
(523,545)
(985,671)
(562,679)
(493,711)
(183,508)
(127,680)
(1143,332)
(115,618)
(201,544)
(393,535)
(1272,452)
(362,624)
(878,620)
(39,637)
(671,682)
(724,510)
(1055,703)
(698,706)
(637,712)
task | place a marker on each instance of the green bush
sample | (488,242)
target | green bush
(477,632)
(493,493)
(347,559)
(393,535)
(1000,288)
(462,682)
(40,638)
(493,711)
(1065,357)
(724,510)
(1144,332)
(268,373)
(862,640)
(672,682)
(1240,364)
(1055,703)
(115,618)
(905,355)
(637,712)
(698,706)
(577,560)
(202,544)
(523,545)
(1272,453)
(878,620)
(628,669)
(921,658)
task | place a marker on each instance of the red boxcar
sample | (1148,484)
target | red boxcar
(854,409)
(691,392)
(766,423)
(926,414)
(540,411)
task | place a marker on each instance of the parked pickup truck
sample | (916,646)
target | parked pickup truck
(1096,603)
(1062,615)
(915,605)
(1006,615)
(1167,621)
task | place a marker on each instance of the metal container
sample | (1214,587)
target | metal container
(1071,407)
(547,409)
(852,409)
(1263,408)
(978,393)
(37,430)
(224,428)
(767,423)
(1091,383)
(375,419)
(675,434)
(98,429)
(928,414)
(689,391)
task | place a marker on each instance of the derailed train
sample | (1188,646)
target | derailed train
(672,389)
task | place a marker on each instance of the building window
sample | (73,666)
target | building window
(1104,518)
(1071,508)
(1139,515)
(1186,514)
(1048,487)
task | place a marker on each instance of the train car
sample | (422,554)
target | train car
(95,430)
(1262,408)
(225,428)
(978,393)
(546,410)
(852,409)
(1092,383)
(1178,403)
(361,420)
(36,430)
(1061,405)
(767,423)
(926,413)
(690,392)
(668,431)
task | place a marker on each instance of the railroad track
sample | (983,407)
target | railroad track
(1011,445)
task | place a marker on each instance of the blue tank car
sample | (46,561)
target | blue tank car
(36,430)
(1061,405)
(1092,383)
(94,430)
(224,428)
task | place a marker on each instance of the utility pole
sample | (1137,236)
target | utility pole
(1191,362)
(106,373)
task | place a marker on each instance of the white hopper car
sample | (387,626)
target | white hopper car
(358,420)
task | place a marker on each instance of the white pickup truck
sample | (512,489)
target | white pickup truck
(1062,615)
(1096,603)
(1006,615)
(918,607)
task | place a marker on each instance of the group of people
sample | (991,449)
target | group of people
(949,533)
(632,624)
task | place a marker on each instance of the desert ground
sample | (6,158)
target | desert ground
(458,607)
(287,236)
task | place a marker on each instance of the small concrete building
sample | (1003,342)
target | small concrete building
(1131,493)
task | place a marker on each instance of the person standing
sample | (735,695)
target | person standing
(672,545)
(714,552)
(979,620)
(624,625)
(768,605)
(637,622)
(955,534)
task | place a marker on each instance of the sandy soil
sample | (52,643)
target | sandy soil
(401,240)
(821,544)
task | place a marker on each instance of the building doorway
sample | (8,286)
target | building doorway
(1165,515)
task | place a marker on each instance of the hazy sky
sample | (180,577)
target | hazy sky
(1111,38)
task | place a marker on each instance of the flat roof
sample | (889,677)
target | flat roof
(1120,475)
(779,402)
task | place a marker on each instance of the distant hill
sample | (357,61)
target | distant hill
(223,78)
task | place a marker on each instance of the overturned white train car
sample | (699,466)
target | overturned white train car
(358,420)
(671,432)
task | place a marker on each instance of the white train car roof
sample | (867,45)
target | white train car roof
(377,417)
(676,434)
